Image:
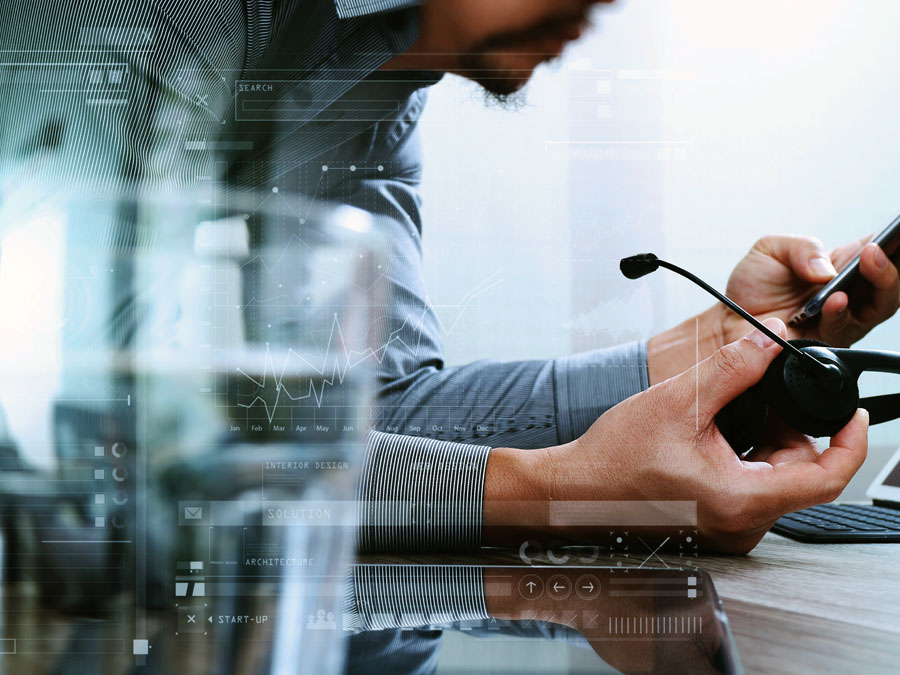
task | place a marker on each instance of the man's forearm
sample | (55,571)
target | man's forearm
(675,350)
(516,499)
(576,492)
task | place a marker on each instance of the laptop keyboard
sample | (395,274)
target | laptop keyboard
(839,519)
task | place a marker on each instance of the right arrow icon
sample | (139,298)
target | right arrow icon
(588,587)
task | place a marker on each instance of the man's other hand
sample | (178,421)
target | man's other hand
(775,280)
(780,273)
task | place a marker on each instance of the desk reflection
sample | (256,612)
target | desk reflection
(636,620)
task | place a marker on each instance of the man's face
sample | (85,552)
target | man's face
(498,43)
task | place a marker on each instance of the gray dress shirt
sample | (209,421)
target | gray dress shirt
(181,69)
(171,71)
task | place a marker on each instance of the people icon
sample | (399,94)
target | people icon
(321,621)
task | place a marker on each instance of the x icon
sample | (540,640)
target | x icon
(653,552)
(192,618)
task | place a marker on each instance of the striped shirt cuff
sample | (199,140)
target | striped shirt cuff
(397,596)
(420,494)
(587,385)
(347,9)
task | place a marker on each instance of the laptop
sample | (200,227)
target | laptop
(852,523)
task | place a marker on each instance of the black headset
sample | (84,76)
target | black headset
(810,386)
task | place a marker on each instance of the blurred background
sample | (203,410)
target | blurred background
(687,128)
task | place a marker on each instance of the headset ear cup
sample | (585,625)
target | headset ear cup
(743,420)
(779,399)
(776,395)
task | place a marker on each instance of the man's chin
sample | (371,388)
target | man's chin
(501,86)
(499,81)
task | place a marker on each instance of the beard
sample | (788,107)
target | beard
(500,86)
(503,64)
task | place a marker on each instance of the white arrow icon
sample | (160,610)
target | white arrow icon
(556,587)
(531,586)
(589,587)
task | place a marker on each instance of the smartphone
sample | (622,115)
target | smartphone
(845,277)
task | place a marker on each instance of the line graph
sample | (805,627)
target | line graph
(329,365)
(331,368)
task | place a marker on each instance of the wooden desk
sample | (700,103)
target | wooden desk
(821,608)
(793,607)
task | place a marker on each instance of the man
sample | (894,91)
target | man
(111,95)
(340,56)
(615,426)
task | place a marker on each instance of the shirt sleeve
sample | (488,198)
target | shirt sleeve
(379,597)
(420,494)
(513,404)
(587,385)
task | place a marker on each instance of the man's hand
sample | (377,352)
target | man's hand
(663,446)
(775,279)
(780,273)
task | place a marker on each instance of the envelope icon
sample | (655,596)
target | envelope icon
(193,513)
